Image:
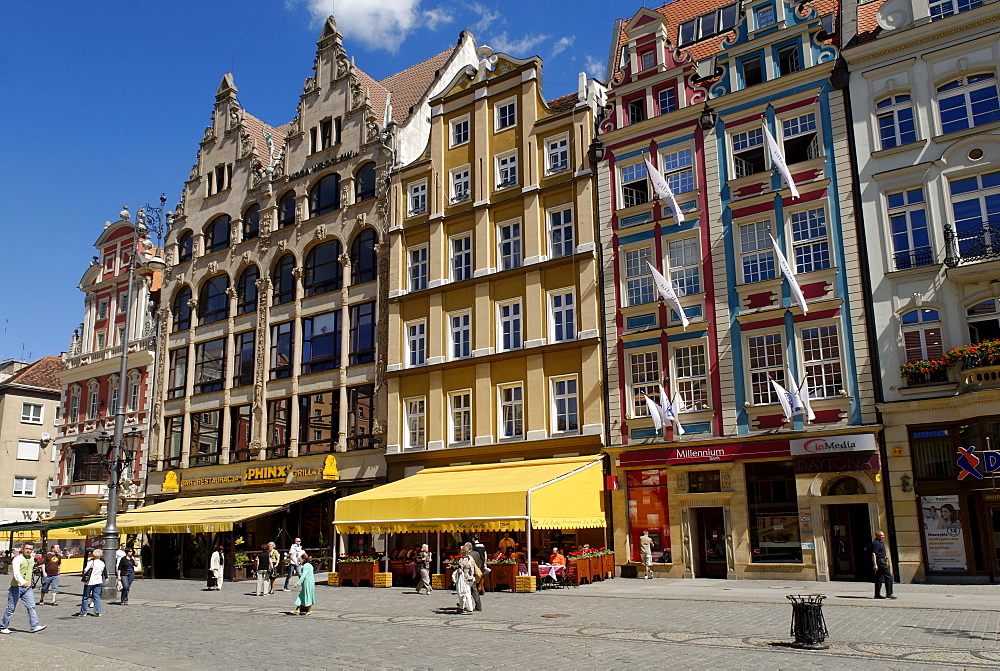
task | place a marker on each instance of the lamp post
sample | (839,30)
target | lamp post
(121,448)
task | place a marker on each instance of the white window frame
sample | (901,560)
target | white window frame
(29,450)
(416,343)
(925,328)
(670,92)
(134,383)
(761,391)
(458,177)
(890,107)
(644,377)
(415,428)
(633,169)
(557,154)
(416,203)
(677,168)
(826,373)
(460,417)
(560,220)
(513,322)
(803,122)
(23,490)
(807,252)
(515,257)
(418,267)
(964,89)
(114,396)
(756,19)
(914,255)
(760,249)
(103,307)
(565,402)
(505,169)
(690,379)
(498,110)
(465,326)
(453,125)
(457,257)
(636,275)
(516,407)
(746,140)
(28,414)
(75,396)
(563,316)
(684,255)
(93,404)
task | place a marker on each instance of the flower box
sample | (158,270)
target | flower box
(501,577)
(596,564)
(609,564)
(525,583)
(382,579)
(357,572)
(239,573)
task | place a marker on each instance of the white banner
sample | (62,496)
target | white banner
(668,294)
(778,159)
(786,270)
(663,191)
(855,442)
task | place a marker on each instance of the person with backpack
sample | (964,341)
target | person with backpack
(94,575)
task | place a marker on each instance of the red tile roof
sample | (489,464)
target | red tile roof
(409,85)
(41,374)
(868,28)
(563,103)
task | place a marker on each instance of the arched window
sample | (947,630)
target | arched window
(286,210)
(181,309)
(217,234)
(970,100)
(325,195)
(364,264)
(323,270)
(246,290)
(251,222)
(984,321)
(213,302)
(185,247)
(364,183)
(283,280)
(846,486)
(922,335)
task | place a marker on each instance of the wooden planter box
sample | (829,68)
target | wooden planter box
(383,579)
(582,570)
(356,573)
(525,583)
(501,577)
(596,568)
(609,564)
(239,573)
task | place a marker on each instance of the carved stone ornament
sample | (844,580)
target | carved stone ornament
(193,303)
(345,259)
(193,175)
(245,258)
(258,388)
(210,134)
(180,278)
(345,193)
(294,126)
(320,232)
(309,86)
(343,65)
(231,292)
(167,273)
(281,245)
(373,129)
(246,143)
(265,222)
(235,118)
(682,483)
(265,242)
(298,272)
(256,446)
(725,481)
(213,267)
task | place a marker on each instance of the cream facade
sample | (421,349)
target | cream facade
(494,315)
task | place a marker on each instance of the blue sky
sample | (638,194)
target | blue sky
(103,104)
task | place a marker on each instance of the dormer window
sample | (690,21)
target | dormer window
(763,16)
(709,24)
(326,134)
(220,179)
(647,59)
(636,110)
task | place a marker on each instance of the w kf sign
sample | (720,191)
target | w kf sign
(968,462)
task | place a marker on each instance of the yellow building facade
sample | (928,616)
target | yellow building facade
(494,314)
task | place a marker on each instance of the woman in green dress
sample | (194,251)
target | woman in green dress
(307,585)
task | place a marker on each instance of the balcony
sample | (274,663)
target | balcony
(927,379)
(82,359)
(972,244)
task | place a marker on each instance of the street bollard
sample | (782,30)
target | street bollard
(808,625)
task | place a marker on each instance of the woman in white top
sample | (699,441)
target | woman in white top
(94,574)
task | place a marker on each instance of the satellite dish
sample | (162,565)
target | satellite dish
(46,437)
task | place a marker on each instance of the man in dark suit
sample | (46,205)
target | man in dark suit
(480,559)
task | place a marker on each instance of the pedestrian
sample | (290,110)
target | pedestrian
(94,575)
(506,543)
(126,574)
(307,581)
(50,573)
(260,568)
(646,552)
(215,569)
(464,579)
(294,557)
(424,558)
(21,590)
(273,565)
(479,571)
(880,562)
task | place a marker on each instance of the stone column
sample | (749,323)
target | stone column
(297,345)
(345,349)
(261,342)
(189,387)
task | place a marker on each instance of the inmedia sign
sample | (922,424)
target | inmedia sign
(861,442)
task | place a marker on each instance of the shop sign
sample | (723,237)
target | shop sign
(731,452)
(943,538)
(968,462)
(297,471)
(862,442)
(837,463)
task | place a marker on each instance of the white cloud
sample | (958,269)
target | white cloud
(562,45)
(522,48)
(379,24)
(486,17)
(595,68)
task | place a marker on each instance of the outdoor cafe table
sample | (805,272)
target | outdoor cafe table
(552,571)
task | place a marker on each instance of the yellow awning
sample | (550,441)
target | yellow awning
(202,513)
(560,493)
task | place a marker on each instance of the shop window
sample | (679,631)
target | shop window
(319,422)
(279,432)
(934,449)
(704,482)
(774,513)
(241,433)
(648,511)
(206,438)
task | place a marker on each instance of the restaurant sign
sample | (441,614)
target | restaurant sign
(862,442)
(301,470)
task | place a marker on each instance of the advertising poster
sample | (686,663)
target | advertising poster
(943,535)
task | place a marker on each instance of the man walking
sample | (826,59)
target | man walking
(50,573)
(20,589)
(477,587)
(646,553)
(294,562)
(880,562)
(424,567)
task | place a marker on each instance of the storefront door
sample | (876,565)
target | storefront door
(711,550)
(849,533)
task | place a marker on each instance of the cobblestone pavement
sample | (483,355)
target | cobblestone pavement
(616,624)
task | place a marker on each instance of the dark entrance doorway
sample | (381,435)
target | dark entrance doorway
(710,552)
(848,534)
